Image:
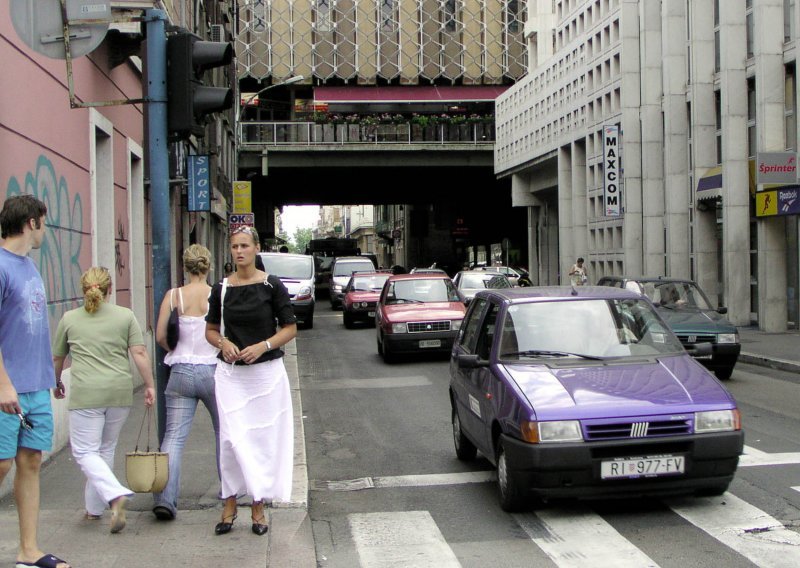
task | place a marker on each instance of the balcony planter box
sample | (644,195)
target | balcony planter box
(328,133)
(317,137)
(432,133)
(387,133)
(416,133)
(465,132)
(299,133)
(341,133)
(452,134)
(403,132)
(353,133)
(368,132)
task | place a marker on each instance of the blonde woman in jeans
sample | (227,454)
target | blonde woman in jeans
(98,338)
(191,379)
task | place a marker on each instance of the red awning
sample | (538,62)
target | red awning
(394,94)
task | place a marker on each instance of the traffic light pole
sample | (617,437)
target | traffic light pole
(158,167)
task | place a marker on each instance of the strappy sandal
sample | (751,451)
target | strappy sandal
(224,527)
(260,526)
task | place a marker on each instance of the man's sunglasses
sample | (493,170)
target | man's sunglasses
(24,422)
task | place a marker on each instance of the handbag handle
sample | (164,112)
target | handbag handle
(149,418)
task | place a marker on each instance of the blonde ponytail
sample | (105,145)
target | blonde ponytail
(95,282)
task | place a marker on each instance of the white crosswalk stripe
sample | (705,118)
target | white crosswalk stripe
(400,539)
(746,529)
(579,538)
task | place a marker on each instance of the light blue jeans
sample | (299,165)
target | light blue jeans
(188,385)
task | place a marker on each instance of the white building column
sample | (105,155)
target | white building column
(771,138)
(566,250)
(580,203)
(631,137)
(703,125)
(652,139)
(677,194)
(735,171)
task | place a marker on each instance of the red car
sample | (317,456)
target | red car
(361,295)
(418,313)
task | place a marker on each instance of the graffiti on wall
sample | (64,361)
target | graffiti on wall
(58,259)
(119,262)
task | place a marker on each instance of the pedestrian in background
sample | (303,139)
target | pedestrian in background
(191,377)
(26,369)
(577,273)
(249,318)
(228,269)
(98,338)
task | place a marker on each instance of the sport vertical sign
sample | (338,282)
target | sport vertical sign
(199,188)
(611,155)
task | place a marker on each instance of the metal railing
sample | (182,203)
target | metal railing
(253,133)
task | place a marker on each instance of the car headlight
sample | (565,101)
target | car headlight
(556,431)
(399,328)
(304,293)
(337,287)
(717,421)
(728,338)
(455,325)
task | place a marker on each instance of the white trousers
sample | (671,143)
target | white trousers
(93,435)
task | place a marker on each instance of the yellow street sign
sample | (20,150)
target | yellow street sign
(242,197)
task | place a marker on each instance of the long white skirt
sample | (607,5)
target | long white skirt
(256,430)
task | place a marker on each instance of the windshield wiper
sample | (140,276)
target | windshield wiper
(545,353)
(408,300)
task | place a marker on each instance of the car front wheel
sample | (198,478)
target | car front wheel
(348,319)
(465,450)
(724,373)
(512,498)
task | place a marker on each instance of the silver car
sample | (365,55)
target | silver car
(470,282)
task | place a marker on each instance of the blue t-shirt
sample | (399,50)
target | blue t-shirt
(24,329)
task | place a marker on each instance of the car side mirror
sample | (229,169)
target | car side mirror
(722,310)
(700,350)
(470,361)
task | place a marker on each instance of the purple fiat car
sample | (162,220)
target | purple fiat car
(585,392)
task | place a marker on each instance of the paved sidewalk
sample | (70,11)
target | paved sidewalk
(775,350)
(187,541)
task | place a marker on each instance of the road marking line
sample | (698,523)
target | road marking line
(378,383)
(742,527)
(796,488)
(428,480)
(579,538)
(753,457)
(409,538)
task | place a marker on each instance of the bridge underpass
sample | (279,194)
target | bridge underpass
(452,199)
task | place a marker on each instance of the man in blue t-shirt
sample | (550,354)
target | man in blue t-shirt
(26,369)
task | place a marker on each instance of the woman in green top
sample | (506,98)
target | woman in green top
(98,338)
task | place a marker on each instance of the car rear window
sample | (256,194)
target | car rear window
(299,268)
(347,268)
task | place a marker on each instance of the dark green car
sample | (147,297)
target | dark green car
(684,306)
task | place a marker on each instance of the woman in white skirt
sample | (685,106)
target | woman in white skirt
(249,318)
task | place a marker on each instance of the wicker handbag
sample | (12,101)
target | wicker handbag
(147,472)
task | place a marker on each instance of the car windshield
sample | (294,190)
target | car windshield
(585,328)
(422,290)
(299,268)
(368,283)
(672,294)
(481,281)
(347,268)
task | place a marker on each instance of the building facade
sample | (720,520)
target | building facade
(690,92)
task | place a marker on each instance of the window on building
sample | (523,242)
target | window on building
(788,20)
(751,118)
(512,15)
(750,31)
(790,107)
(717,50)
(449,15)
(388,16)
(718,124)
(323,15)
(259,8)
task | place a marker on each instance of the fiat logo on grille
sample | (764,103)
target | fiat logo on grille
(692,338)
(428,327)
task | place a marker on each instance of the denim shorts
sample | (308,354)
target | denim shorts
(37,408)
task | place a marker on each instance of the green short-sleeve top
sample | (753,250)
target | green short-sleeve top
(98,346)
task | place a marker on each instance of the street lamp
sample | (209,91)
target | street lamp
(289,81)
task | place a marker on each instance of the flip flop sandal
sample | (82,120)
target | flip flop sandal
(46,561)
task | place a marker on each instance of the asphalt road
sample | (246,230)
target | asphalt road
(388,491)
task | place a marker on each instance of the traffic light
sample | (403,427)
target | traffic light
(188,99)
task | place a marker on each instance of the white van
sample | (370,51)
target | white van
(296,271)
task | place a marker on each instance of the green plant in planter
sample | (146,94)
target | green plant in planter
(420,119)
(368,120)
(458,119)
